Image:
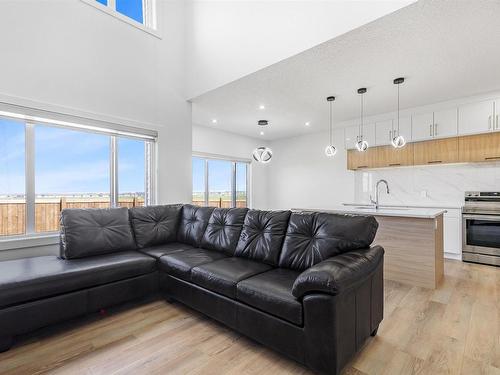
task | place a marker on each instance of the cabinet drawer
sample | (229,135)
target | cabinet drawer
(362,160)
(481,147)
(389,156)
(438,151)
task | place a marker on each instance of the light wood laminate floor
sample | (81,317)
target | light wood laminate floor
(452,330)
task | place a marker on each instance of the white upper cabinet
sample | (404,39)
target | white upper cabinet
(351,135)
(445,123)
(385,131)
(422,126)
(476,117)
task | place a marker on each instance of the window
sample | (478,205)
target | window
(46,167)
(141,11)
(220,183)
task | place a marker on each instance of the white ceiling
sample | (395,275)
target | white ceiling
(444,49)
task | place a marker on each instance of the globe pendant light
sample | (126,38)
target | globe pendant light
(398,141)
(330,150)
(361,144)
(262,154)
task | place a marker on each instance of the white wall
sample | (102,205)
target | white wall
(216,142)
(245,36)
(68,56)
(301,176)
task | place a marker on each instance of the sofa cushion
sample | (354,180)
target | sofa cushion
(223,229)
(262,235)
(222,275)
(90,231)
(180,263)
(271,292)
(313,237)
(169,248)
(194,221)
(27,279)
(155,225)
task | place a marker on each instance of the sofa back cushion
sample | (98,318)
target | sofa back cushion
(223,229)
(194,221)
(312,237)
(155,225)
(90,231)
(262,235)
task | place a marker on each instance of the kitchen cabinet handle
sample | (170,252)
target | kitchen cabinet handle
(496,120)
(394,164)
(390,135)
(489,122)
(492,158)
(434,161)
(435,129)
(430,130)
(362,166)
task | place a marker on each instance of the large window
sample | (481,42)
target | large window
(46,167)
(141,11)
(220,183)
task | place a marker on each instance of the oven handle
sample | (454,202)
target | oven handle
(481,217)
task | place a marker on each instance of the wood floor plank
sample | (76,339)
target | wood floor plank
(453,330)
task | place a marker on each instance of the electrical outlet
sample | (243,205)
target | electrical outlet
(423,193)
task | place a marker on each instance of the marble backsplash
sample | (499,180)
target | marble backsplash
(438,185)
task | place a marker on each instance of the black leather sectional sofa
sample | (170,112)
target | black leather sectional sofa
(305,284)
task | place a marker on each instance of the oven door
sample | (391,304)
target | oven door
(481,234)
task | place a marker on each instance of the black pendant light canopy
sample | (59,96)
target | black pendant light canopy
(263,122)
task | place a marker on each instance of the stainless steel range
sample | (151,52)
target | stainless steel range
(481,227)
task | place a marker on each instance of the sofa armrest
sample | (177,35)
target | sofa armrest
(339,273)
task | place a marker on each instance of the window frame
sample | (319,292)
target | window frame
(34,117)
(149,15)
(207,157)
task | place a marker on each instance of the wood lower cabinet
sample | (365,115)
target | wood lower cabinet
(437,151)
(362,160)
(389,156)
(481,147)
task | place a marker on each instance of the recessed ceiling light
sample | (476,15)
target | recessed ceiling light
(262,106)
(308,123)
(261,133)
(214,121)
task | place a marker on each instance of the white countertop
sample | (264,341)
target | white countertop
(412,205)
(421,213)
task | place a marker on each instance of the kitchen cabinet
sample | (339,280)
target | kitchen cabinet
(351,135)
(439,124)
(480,147)
(422,126)
(437,151)
(477,117)
(389,156)
(361,160)
(385,131)
(445,123)
(452,221)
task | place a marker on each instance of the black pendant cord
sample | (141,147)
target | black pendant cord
(361,123)
(331,138)
(398,110)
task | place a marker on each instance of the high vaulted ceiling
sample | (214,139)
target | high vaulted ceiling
(444,49)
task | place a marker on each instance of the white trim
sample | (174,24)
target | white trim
(206,155)
(110,9)
(29,179)
(113,171)
(26,241)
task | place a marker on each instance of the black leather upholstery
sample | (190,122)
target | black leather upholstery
(194,221)
(180,263)
(313,237)
(87,232)
(26,279)
(169,248)
(223,229)
(337,274)
(262,235)
(155,225)
(222,275)
(271,292)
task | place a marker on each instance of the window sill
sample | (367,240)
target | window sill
(121,17)
(33,240)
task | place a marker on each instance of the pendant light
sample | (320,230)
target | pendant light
(262,154)
(398,141)
(361,144)
(330,150)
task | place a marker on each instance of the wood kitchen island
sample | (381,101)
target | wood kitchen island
(412,239)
